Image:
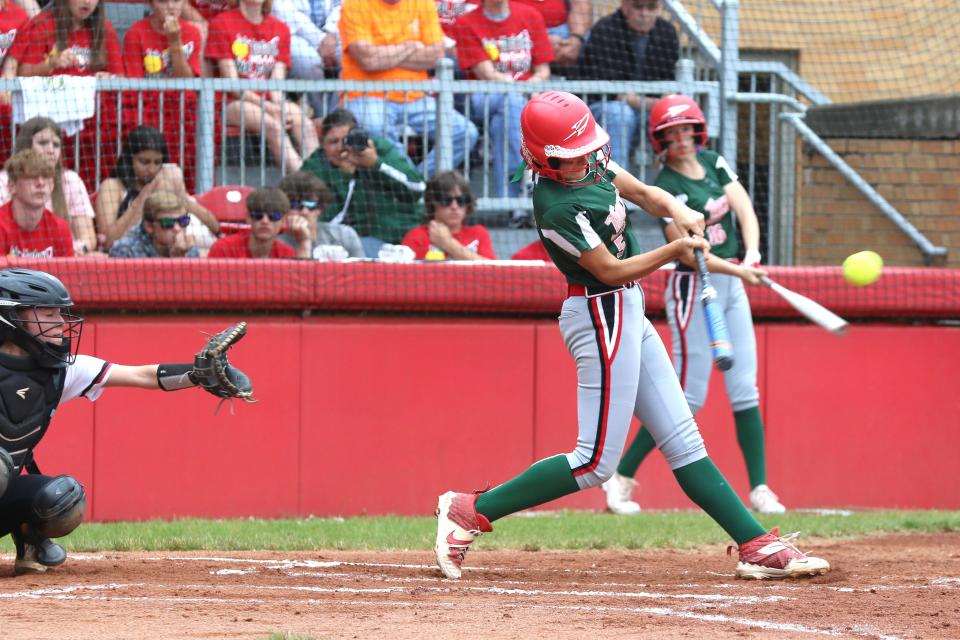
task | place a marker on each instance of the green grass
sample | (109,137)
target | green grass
(564,530)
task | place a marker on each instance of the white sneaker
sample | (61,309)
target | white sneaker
(619,490)
(765,501)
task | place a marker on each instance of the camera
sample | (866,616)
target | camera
(356,140)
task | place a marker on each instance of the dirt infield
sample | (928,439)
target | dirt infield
(881,587)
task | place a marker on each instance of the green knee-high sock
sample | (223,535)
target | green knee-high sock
(751,439)
(636,452)
(705,485)
(546,480)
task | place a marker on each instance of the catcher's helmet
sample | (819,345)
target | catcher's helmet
(670,111)
(29,289)
(557,124)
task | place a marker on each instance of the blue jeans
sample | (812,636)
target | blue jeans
(620,121)
(504,131)
(383,118)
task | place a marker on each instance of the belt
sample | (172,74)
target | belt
(593,292)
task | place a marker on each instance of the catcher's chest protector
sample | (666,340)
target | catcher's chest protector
(28,400)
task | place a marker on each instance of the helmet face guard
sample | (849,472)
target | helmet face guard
(51,343)
(38,337)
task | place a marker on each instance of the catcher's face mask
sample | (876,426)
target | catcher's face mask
(57,333)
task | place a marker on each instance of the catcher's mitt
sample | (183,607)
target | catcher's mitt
(215,374)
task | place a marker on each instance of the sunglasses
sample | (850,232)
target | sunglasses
(275,216)
(309,204)
(462,200)
(170,223)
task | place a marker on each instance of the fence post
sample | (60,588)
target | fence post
(729,61)
(443,138)
(204,178)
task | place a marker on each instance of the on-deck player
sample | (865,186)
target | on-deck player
(622,366)
(703,181)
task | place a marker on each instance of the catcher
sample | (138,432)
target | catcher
(40,369)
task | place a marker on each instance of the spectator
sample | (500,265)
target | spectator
(445,236)
(199,13)
(568,22)
(376,189)
(69,200)
(161,233)
(74,38)
(632,43)
(314,41)
(12,19)
(248,42)
(142,169)
(398,40)
(449,11)
(27,228)
(164,45)
(266,209)
(505,42)
(309,196)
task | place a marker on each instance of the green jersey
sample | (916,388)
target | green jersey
(572,219)
(707,197)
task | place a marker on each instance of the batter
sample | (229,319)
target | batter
(622,366)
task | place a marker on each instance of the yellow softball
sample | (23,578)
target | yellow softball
(862,268)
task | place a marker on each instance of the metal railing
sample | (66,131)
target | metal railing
(212,98)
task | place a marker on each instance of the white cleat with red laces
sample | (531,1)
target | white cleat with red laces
(458,524)
(771,557)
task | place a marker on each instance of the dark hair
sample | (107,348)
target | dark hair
(140,139)
(337,118)
(268,199)
(63,27)
(303,185)
(439,188)
(24,141)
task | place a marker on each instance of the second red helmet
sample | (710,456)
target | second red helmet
(670,111)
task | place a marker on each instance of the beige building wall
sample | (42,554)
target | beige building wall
(851,50)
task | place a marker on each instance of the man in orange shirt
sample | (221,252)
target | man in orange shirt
(394,40)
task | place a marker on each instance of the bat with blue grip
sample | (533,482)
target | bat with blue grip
(720,343)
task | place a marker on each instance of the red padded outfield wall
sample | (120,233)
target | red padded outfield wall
(378,416)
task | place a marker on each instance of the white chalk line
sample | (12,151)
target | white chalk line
(937,581)
(69,593)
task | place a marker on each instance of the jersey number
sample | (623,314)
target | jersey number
(618,220)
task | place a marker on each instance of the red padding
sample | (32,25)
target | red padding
(162,284)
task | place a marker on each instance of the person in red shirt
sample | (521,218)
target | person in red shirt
(445,236)
(533,251)
(568,22)
(164,45)
(266,210)
(12,20)
(27,228)
(247,42)
(74,38)
(503,41)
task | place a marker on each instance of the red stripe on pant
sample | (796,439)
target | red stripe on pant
(682,310)
(596,312)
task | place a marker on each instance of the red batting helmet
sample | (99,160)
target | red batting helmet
(670,111)
(557,124)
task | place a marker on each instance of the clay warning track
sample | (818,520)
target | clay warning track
(881,587)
